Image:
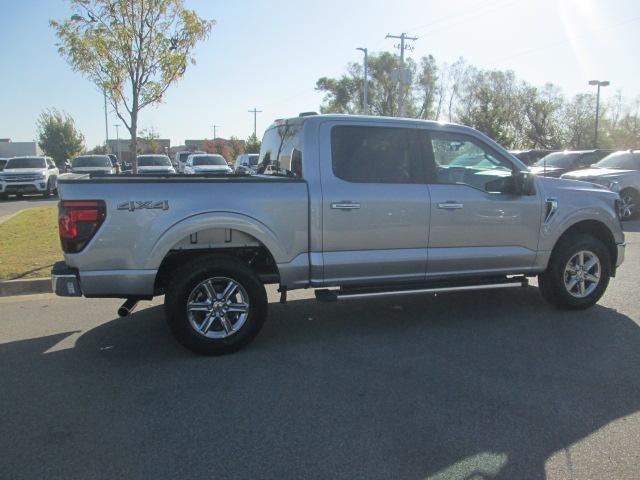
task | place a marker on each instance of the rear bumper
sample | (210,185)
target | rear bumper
(64,280)
(69,282)
(620,257)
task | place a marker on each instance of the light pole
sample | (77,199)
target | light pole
(365,102)
(118,141)
(598,83)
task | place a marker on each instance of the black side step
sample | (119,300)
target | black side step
(344,293)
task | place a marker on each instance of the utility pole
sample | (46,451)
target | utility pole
(215,128)
(365,102)
(402,75)
(255,113)
(106,124)
(118,141)
(604,83)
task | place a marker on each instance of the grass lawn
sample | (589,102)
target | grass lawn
(29,244)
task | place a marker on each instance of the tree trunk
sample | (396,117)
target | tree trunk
(134,142)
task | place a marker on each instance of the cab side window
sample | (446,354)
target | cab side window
(377,154)
(460,159)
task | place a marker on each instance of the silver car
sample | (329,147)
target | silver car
(619,172)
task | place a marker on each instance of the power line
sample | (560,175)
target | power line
(402,73)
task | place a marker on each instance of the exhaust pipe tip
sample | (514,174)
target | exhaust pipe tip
(127,307)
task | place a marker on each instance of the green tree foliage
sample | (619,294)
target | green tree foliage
(133,50)
(58,136)
(512,112)
(150,139)
(252,145)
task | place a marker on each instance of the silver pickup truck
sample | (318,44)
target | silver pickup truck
(352,206)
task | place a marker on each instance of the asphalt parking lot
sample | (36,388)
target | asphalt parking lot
(14,204)
(476,385)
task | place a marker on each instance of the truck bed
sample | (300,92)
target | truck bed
(148,217)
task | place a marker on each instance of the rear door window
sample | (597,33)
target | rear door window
(377,154)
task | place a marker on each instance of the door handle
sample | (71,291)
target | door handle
(345,206)
(451,206)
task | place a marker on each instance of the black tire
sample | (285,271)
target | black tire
(47,192)
(188,278)
(552,281)
(632,196)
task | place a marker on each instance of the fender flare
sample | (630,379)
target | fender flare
(206,221)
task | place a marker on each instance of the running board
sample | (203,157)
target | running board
(326,295)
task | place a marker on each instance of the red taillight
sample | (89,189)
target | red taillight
(78,221)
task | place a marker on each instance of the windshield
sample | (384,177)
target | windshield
(183,156)
(209,160)
(558,159)
(621,160)
(253,160)
(25,162)
(97,161)
(3,162)
(154,161)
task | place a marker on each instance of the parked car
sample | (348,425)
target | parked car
(154,164)
(199,164)
(181,159)
(29,175)
(115,163)
(93,164)
(557,163)
(529,157)
(619,172)
(3,162)
(247,163)
(356,207)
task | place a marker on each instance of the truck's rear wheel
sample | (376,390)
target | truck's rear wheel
(215,305)
(578,273)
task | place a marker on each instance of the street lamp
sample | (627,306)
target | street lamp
(598,83)
(365,103)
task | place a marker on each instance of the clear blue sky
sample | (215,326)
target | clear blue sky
(269,54)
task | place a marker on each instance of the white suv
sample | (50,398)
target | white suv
(29,175)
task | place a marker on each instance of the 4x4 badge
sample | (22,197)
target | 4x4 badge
(147,205)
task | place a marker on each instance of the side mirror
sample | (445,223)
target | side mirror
(518,183)
(523,183)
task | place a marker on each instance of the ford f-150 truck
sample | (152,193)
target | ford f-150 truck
(352,206)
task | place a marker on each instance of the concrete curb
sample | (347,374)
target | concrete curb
(6,218)
(9,288)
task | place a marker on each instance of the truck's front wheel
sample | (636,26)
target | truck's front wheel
(578,273)
(215,305)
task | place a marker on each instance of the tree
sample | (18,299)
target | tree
(150,140)
(252,145)
(58,136)
(133,50)
(219,146)
(579,121)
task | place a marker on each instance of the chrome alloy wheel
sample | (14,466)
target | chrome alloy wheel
(218,307)
(582,274)
(628,206)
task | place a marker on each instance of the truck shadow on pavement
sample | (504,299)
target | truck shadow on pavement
(490,385)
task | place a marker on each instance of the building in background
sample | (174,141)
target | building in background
(122,147)
(10,149)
